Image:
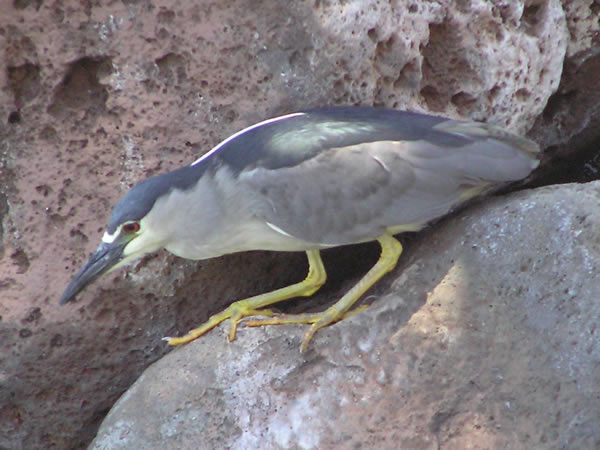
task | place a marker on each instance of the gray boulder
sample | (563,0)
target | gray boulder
(487,336)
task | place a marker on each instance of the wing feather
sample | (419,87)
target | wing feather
(339,176)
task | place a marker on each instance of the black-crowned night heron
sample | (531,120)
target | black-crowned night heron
(308,181)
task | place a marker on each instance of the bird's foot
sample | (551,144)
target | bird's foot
(235,312)
(316,320)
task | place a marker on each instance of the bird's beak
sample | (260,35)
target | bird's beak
(106,257)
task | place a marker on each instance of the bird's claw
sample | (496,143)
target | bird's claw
(315,320)
(235,313)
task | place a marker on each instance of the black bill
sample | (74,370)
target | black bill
(106,256)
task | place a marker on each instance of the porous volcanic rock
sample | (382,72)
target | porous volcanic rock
(95,97)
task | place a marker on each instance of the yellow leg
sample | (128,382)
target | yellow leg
(390,252)
(251,306)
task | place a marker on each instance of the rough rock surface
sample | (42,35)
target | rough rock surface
(96,97)
(487,338)
(569,128)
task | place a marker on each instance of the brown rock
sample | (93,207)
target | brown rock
(95,98)
(569,127)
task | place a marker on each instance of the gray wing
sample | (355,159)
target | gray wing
(349,191)
(334,198)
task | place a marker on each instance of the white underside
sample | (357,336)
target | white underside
(250,236)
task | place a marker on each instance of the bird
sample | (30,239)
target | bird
(305,182)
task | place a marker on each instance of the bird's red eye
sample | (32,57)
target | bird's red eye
(132,227)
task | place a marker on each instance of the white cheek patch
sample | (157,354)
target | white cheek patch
(110,238)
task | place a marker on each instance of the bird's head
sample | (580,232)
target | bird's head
(140,223)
